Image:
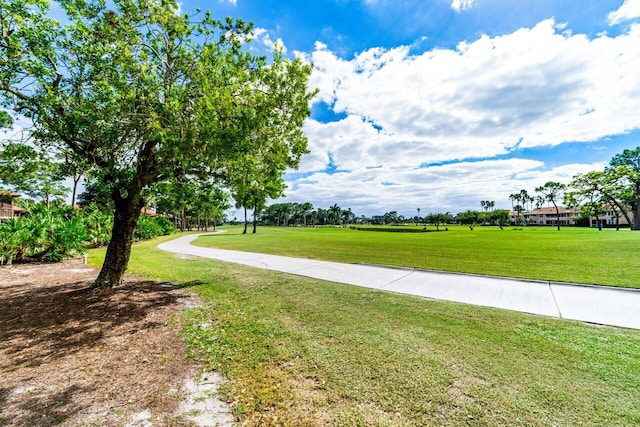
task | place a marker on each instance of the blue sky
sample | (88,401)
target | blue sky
(440,104)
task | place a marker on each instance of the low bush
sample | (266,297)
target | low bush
(98,226)
(147,228)
(42,235)
(167,226)
(53,234)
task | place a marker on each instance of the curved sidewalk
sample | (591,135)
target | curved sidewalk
(594,304)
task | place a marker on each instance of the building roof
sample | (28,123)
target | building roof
(148,211)
(6,193)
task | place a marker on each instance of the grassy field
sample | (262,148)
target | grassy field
(301,352)
(579,255)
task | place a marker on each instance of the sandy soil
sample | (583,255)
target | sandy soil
(70,356)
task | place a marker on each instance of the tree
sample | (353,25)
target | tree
(625,167)
(469,218)
(306,209)
(276,139)
(33,172)
(437,219)
(251,182)
(601,187)
(521,199)
(140,93)
(322,216)
(500,217)
(518,209)
(391,217)
(525,199)
(211,202)
(96,192)
(348,216)
(334,212)
(552,192)
(592,209)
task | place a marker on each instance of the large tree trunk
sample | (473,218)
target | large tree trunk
(127,212)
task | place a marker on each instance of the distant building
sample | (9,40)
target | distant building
(148,211)
(608,219)
(7,207)
(567,216)
(548,216)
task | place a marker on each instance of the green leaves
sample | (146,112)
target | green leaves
(48,235)
(31,171)
(138,94)
(6,121)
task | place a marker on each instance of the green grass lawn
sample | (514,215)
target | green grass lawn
(300,351)
(579,255)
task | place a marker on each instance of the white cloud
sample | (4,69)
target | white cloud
(233,2)
(459,5)
(536,87)
(263,36)
(533,87)
(630,9)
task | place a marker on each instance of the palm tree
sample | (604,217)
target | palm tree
(521,199)
(335,211)
(305,209)
(347,216)
(552,192)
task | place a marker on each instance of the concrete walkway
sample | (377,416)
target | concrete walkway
(594,304)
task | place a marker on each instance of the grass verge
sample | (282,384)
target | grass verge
(299,351)
(579,255)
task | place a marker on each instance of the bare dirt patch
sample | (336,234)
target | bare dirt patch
(71,356)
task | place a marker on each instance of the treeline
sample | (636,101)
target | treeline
(295,214)
(189,204)
(304,214)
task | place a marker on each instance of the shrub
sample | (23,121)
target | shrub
(13,235)
(98,226)
(167,226)
(65,240)
(50,235)
(42,235)
(147,228)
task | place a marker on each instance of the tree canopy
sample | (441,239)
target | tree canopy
(625,168)
(552,192)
